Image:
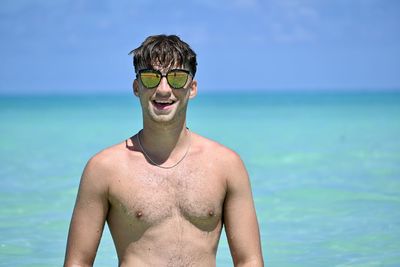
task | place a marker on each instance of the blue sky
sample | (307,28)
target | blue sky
(77,46)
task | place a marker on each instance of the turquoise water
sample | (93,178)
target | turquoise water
(325,171)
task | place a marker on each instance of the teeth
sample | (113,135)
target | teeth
(163,102)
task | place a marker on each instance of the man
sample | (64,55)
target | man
(166,192)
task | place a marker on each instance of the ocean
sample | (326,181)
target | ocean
(324,169)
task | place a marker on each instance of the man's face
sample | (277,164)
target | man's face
(165,104)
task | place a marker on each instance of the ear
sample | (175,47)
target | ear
(193,89)
(135,86)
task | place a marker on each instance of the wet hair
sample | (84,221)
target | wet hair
(164,51)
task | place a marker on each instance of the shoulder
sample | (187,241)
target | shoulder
(105,157)
(228,164)
(225,162)
(106,162)
(225,157)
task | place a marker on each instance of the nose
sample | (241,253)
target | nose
(163,88)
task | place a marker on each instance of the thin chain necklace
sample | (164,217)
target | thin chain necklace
(159,165)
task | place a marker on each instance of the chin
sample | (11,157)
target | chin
(162,118)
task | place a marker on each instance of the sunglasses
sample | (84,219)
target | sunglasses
(176,78)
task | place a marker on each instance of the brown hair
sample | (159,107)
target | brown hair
(164,51)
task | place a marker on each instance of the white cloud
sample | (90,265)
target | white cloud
(290,21)
(293,33)
(245,3)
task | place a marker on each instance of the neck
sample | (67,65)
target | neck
(164,141)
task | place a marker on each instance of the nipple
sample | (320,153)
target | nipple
(211,213)
(139,214)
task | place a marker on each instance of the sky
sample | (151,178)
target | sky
(82,46)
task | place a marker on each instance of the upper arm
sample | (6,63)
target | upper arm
(240,217)
(89,216)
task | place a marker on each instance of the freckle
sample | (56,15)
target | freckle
(139,214)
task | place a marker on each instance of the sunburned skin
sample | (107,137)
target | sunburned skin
(165,217)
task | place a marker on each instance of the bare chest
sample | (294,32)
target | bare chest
(153,195)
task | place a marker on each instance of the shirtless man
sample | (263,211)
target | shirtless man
(166,192)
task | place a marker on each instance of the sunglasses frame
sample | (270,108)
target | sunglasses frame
(162,75)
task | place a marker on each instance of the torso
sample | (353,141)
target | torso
(166,217)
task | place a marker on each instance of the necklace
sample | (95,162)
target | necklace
(159,165)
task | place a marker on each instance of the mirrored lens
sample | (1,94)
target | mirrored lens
(177,78)
(150,79)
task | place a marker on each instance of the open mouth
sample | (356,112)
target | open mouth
(163,104)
